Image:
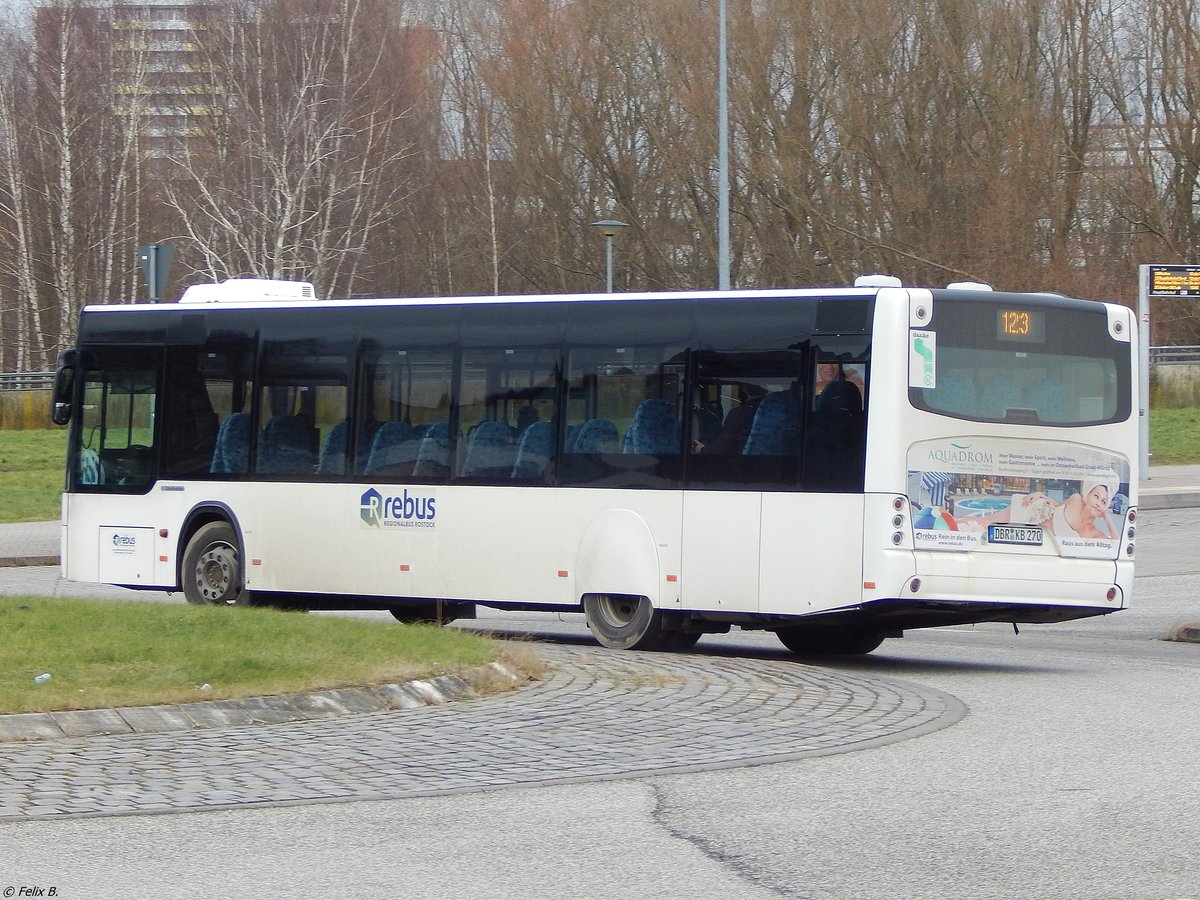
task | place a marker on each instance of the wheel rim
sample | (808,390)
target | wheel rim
(618,612)
(215,574)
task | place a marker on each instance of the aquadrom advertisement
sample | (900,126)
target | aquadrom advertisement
(973,493)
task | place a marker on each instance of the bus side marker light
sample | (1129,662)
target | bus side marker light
(162,533)
(1112,593)
(672,578)
(914,585)
(868,585)
(256,562)
(162,559)
(405,567)
(562,573)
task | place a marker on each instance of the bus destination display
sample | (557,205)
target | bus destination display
(1021,325)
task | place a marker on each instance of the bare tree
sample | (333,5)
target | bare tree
(67,175)
(300,170)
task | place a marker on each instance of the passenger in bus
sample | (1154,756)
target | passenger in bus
(831,370)
(736,427)
(833,443)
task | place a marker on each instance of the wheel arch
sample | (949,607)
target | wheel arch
(617,556)
(197,517)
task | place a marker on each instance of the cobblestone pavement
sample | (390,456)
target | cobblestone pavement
(596,715)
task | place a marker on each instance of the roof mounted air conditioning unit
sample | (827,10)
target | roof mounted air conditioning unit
(248,290)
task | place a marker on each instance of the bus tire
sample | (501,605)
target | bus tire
(212,567)
(829,641)
(624,622)
(678,641)
(863,641)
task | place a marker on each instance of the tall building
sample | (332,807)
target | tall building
(160,69)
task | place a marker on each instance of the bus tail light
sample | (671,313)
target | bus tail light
(899,521)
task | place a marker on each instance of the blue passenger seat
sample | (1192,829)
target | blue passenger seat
(1050,400)
(775,430)
(534,451)
(232,453)
(286,447)
(596,436)
(1000,394)
(433,456)
(490,451)
(333,453)
(393,451)
(653,430)
(955,393)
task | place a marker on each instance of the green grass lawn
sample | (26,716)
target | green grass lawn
(1174,436)
(31,474)
(103,654)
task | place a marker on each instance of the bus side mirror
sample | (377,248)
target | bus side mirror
(64,387)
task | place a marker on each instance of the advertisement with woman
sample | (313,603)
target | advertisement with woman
(973,493)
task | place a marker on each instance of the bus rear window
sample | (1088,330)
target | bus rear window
(998,361)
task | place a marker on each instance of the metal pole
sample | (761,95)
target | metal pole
(609,228)
(1144,368)
(152,271)
(722,154)
(608,238)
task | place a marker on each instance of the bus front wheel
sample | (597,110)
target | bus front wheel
(212,567)
(623,622)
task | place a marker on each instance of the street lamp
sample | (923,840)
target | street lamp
(609,228)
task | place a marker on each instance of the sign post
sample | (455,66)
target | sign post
(156,264)
(1156,281)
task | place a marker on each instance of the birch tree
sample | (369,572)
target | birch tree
(304,163)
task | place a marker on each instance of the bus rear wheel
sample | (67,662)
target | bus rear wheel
(828,641)
(212,567)
(624,622)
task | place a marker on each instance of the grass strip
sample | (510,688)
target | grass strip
(32,465)
(103,654)
(1174,436)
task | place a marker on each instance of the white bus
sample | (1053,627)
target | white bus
(833,465)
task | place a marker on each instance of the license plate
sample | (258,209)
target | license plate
(1015,534)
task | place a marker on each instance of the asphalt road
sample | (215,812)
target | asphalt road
(1072,775)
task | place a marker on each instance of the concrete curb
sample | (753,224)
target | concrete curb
(258,710)
(1165,498)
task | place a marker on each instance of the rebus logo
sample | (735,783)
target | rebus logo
(370,507)
(405,511)
(124,540)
